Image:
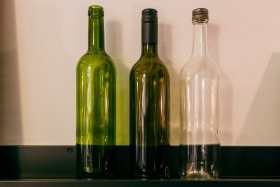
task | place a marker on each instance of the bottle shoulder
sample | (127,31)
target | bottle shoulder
(95,59)
(149,66)
(203,67)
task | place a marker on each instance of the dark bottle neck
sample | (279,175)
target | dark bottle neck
(200,44)
(149,39)
(149,49)
(96,33)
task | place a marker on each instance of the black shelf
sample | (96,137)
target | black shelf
(143,183)
(56,166)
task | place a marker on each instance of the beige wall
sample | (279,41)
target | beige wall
(42,40)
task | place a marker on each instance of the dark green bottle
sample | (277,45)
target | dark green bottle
(96,103)
(149,106)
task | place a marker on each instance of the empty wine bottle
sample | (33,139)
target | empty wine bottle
(149,106)
(199,79)
(96,102)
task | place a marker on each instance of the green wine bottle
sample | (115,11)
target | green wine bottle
(149,106)
(96,103)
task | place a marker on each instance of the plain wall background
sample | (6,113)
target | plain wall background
(41,42)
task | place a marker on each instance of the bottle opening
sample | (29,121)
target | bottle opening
(95,10)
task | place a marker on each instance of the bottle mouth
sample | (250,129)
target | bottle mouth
(200,15)
(95,10)
(149,15)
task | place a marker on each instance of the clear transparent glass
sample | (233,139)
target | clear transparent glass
(199,142)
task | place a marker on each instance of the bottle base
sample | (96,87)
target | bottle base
(95,161)
(198,175)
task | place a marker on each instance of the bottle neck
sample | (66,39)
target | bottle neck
(149,49)
(96,33)
(149,39)
(200,43)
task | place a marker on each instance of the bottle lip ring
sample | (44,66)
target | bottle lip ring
(95,10)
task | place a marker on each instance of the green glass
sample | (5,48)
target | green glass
(149,109)
(96,103)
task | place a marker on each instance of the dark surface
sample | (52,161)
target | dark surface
(37,162)
(144,183)
(249,162)
(54,162)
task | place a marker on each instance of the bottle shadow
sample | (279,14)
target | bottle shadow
(261,126)
(114,43)
(225,89)
(165,53)
(10,108)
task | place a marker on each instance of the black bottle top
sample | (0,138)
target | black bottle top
(149,26)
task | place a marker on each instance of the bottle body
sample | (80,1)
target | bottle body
(199,143)
(199,82)
(149,118)
(149,106)
(95,110)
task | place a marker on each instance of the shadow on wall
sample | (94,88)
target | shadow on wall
(225,89)
(115,43)
(262,124)
(10,114)
(165,53)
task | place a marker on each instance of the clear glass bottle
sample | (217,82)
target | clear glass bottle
(96,104)
(199,81)
(149,106)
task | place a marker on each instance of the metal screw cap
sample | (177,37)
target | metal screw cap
(200,15)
